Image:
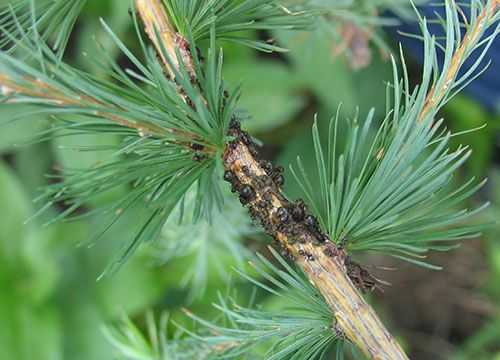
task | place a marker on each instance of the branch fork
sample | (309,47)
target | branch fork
(258,185)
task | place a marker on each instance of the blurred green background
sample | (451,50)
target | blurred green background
(51,305)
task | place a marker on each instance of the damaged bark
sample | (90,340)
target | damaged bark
(258,184)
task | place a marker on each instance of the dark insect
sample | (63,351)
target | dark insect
(254,214)
(234,128)
(266,180)
(311,222)
(253,150)
(330,251)
(298,211)
(235,124)
(261,204)
(279,180)
(309,257)
(246,170)
(361,278)
(295,230)
(197,147)
(246,194)
(283,215)
(259,181)
(319,238)
(287,254)
(268,197)
(267,166)
(229,176)
(199,157)
(245,138)
(306,255)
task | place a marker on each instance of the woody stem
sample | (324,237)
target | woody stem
(259,190)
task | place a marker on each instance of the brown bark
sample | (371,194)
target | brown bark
(322,261)
(258,185)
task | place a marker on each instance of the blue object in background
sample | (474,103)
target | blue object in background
(486,88)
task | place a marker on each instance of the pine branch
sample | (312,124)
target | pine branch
(169,141)
(298,232)
(482,21)
(182,130)
(322,261)
(163,35)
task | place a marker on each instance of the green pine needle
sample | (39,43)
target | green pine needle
(51,19)
(231,18)
(392,191)
(131,344)
(202,245)
(167,145)
(303,330)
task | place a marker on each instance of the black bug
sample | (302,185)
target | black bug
(266,180)
(298,211)
(234,128)
(279,180)
(245,138)
(247,194)
(361,277)
(197,147)
(261,204)
(229,176)
(319,238)
(295,230)
(246,170)
(312,225)
(253,150)
(254,214)
(311,222)
(199,157)
(268,197)
(283,215)
(266,166)
(279,170)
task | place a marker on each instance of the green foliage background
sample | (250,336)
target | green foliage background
(52,307)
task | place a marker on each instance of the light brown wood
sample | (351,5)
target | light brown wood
(354,317)
(158,28)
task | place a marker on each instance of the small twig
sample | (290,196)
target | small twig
(42,90)
(436,94)
(164,37)
(37,88)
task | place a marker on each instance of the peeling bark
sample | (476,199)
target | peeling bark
(302,240)
(258,185)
